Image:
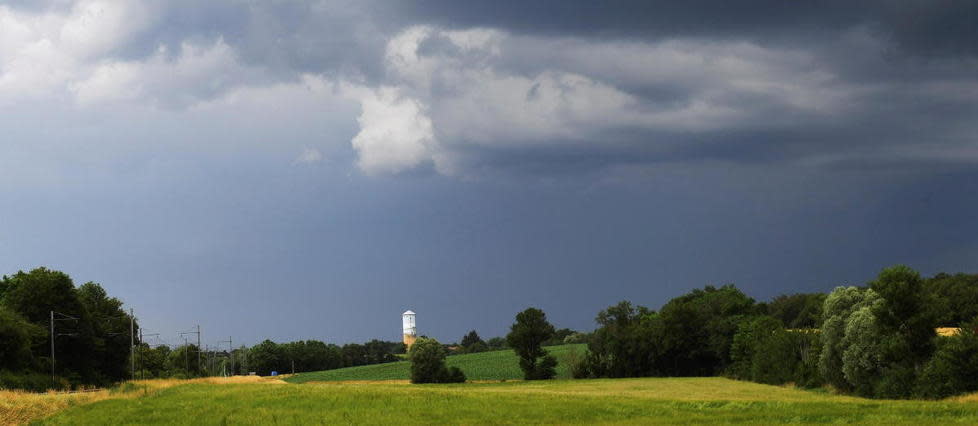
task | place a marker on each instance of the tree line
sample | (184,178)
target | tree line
(93,337)
(91,332)
(261,359)
(878,340)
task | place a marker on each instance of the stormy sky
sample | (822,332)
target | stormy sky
(311,169)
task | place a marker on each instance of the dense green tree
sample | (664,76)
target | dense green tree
(16,338)
(798,311)
(182,362)
(379,351)
(33,295)
(151,362)
(427,358)
(954,367)
(906,325)
(111,327)
(953,299)
(861,364)
(496,343)
(311,355)
(470,339)
(266,357)
(838,307)
(694,332)
(558,337)
(623,345)
(763,351)
(752,334)
(526,337)
(577,338)
(354,354)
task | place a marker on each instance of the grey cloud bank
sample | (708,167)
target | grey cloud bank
(354,159)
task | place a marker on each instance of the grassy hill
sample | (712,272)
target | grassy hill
(495,365)
(711,400)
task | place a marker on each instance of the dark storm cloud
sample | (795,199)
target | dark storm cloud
(845,77)
(921,26)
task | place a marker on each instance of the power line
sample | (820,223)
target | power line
(198,347)
(53,335)
(230,353)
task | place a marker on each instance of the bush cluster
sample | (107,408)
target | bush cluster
(428,363)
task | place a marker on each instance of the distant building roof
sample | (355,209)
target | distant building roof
(409,313)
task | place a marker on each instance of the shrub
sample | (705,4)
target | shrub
(453,375)
(763,351)
(954,367)
(576,338)
(746,343)
(428,363)
(34,382)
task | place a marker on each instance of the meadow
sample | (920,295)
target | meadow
(495,365)
(605,401)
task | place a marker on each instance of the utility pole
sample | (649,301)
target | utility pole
(53,335)
(142,356)
(230,353)
(52,347)
(198,346)
(186,354)
(132,342)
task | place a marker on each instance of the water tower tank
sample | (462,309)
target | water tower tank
(409,328)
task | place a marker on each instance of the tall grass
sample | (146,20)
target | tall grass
(19,407)
(622,401)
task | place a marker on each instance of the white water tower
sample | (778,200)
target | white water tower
(410,329)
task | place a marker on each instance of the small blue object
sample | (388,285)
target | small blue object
(275,373)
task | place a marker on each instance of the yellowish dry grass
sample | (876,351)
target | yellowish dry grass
(155,384)
(18,407)
(966,398)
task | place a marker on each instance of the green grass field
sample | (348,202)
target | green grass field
(623,401)
(496,365)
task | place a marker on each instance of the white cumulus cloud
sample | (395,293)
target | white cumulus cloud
(395,132)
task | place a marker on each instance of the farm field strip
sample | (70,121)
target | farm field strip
(494,365)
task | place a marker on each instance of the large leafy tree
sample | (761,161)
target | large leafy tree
(526,337)
(471,339)
(954,367)
(953,299)
(16,338)
(33,295)
(907,326)
(111,327)
(623,345)
(312,355)
(798,311)
(695,331)
(839,306)
(183,361)
(266,357)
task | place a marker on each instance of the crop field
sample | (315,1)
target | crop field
(495,365)
(621,401)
